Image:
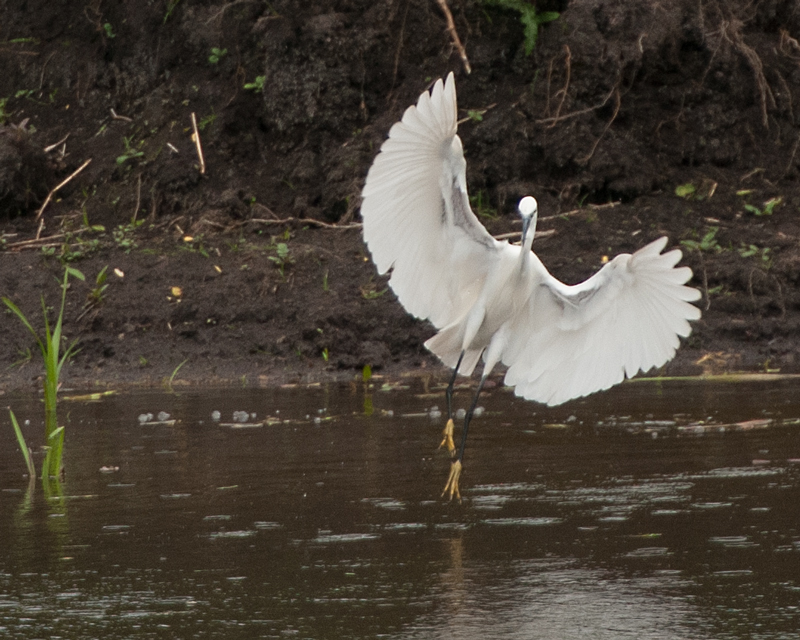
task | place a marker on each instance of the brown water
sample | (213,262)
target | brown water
(666,511)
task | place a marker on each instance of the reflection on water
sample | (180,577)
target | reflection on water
(650,512)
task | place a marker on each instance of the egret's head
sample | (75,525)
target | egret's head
(528,211)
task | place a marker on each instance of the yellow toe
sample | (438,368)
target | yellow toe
(452,482)
(448,437)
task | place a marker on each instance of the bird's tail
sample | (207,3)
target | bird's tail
(446,345)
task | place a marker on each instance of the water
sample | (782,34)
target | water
(666,511)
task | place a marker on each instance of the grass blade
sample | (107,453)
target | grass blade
(26,453)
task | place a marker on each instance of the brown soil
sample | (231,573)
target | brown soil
(619,104)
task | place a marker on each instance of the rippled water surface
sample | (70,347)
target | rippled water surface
(653,511)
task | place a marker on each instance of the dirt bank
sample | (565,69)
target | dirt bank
(250,268)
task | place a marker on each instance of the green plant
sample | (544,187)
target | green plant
(282,258)
(707,243)
(257,84)
(168,381)
(130,151)
(54,360)
(685,190)
(171,4)
(205,121)
(25,357)
(370,292)
(769,207)
(325,354)
(217,54)
(26,452)
(530,18)
(748,251)
(98,293)
(109,30)
(123,235)
(4,114)
(325,286)
(480,203)
(476,115)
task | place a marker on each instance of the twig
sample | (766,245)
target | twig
(308,221)
(50,147)
(58,186)
(515,234)
(116,116)
(44,66)
(198,146)
(451,28)
(22,244)
(138,198)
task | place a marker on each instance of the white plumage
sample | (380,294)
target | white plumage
(495,299)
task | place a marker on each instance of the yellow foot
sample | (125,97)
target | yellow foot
(452,481)
(448,437)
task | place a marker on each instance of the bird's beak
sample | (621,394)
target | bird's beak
(526,223)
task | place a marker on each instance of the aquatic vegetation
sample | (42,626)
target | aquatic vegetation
(54,359)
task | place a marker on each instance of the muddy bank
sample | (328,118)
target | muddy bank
(626,122)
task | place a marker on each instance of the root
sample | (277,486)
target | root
(579,112)
(617,104)
(731,30)
(565,88)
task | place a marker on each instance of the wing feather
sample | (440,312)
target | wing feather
(417,218)
(570,341)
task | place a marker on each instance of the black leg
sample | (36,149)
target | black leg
(449,393)
(455,466)
(447,440)
(467,419)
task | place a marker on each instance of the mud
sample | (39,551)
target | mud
(250,268)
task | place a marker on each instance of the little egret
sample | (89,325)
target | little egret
(496,300)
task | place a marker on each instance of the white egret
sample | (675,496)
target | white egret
(497,300)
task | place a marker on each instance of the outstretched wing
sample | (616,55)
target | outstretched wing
(570,341)
(417,218)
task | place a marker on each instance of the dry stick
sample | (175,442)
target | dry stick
(399,46)
(21,244)
(116,116)
(196,139)
(309,221)
(451,27)
(138,198)
(44,66)
(50,147)
(514,234)
(56,188)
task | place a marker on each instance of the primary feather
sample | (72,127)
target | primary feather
(494,299)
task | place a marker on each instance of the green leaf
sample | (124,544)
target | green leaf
(685,190)
(26,453)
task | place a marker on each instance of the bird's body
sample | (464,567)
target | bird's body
(497,300)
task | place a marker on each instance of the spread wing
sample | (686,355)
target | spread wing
(570,341)
(417,218)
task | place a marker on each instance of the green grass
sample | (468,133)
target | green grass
(26,452)
(54,359)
